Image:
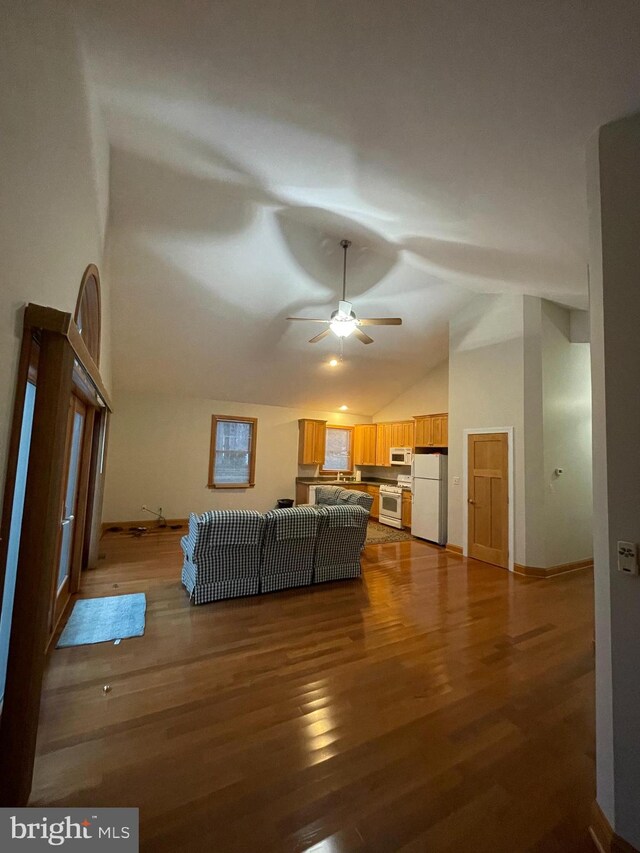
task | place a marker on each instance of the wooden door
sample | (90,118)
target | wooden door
(488,499)
(72,508)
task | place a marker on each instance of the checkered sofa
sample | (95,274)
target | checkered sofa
(337,496)
(341,539)
(229,553)
(222,554)
(289,547)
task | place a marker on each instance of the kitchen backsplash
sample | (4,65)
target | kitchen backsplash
(385,473)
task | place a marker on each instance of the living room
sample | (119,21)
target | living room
(188,177)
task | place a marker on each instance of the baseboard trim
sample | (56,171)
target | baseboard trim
(151,524)
(455,549)
(552,571)
(604,838)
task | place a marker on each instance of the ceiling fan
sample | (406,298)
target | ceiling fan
(343,321)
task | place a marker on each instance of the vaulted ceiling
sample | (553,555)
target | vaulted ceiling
(446,140)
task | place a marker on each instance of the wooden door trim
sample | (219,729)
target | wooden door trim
(38,549)
(511,486)
(37,317)
(60,347)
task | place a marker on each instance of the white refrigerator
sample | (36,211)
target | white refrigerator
(429,487)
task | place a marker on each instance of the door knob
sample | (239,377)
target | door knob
(470,501)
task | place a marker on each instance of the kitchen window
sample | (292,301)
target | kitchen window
(338,449)
(232,457)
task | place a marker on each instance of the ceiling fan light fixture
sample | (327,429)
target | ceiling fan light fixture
(342,328)
(333,362)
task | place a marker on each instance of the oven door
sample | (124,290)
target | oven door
(390,509)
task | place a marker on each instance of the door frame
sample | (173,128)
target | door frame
(62,353)
(511,487)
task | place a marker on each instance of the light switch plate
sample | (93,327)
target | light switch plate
(628,558)
(456,481)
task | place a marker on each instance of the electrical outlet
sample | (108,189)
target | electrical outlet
(628,558)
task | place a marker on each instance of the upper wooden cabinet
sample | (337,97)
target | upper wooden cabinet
(392,434)
(311,441)
(432,430)
(440,430)
(364,444)
(383,444)
(408,434)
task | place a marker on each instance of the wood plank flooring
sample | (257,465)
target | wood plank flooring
(437,705)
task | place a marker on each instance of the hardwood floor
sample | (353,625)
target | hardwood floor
(438,705)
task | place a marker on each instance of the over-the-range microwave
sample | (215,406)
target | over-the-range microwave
(400,456)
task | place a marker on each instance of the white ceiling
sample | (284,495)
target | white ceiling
(445,139)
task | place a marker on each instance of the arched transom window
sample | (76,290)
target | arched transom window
(87,314)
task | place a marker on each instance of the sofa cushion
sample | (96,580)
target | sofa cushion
(340,541)
(289,547)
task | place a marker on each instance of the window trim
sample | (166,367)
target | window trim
(89,303)
(348,428)
(252,452)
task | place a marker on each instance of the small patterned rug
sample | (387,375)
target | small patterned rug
(378,533)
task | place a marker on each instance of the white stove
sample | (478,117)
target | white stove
(391,501)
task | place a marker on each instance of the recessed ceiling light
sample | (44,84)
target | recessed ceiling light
(333,362)
(343,408)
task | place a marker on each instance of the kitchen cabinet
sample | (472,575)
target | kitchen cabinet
(383,444)
(408,434)
(432,430)
(302,494)
(311,441)
(407,503)
(374,491)
(440,430)
(364,444)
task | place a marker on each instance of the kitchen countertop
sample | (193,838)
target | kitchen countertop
(366,481)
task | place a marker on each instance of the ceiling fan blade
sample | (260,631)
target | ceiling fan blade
(381,321)
(361,336)
(323,334)
(309,319)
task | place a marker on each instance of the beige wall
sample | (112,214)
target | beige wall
(53,160)
(159,455)
(614,208)
(566,398)
(427,397)
(512,364)
(486,389)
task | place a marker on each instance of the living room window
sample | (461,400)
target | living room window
(338,447)
(232,458)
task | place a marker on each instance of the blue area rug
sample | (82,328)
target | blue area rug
(97,620)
